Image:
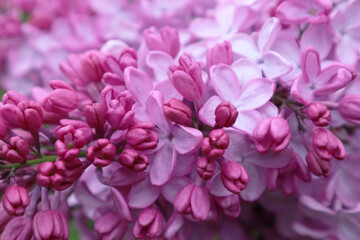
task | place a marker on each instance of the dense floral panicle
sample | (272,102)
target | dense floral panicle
(230,205)
(62,99)
(102,154)
(178,112)
(110,226)
(349,108)
(205,167)
(187,78)
(95,115)
(214,146)
(18,228)
(16,151)
(272,132)
(50,224)
(234,177)
(119,114)
(319,114)
(141,137)
(165,40)
(149,224)
(318,166)
(225,114)
(133,160)
(220,53)
(15,200)
(326,145)
(192,199)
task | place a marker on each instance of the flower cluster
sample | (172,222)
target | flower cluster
(167,120)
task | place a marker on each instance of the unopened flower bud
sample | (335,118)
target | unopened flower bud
(234,177)
(95,115)
(318,166)
(230,205)
(205,168)
(50,173)
(69,142)
(326,145)
(141,137)
(110,226)
(131,159)
(225,114)
(18,228)
(13,97)
(166,40)
(50,224)
(349,108)
(118,117)
(149,224)
(319,114)
(102,154)
(128,58)
(214,146)
(15,200)
(220,53)
(62,99)
(187,78)
(16,151)
(177,111)
(194,200)
(272,132)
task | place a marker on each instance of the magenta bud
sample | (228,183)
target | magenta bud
(141,137)
(166,40)
(50,173)
(272,132)
(95,115)
(225,114)
(102,154)
(234,177)
(214,146)
(16,151)
(50,224)
(205,167)
(178,112)
(132,160)
(149,224)
(62,99)
(192,199)
(187,78)
(319,114)
(128,58)
(13,97)
(110,226)
(69,142)
(230,205)
(318,166)
(118,117)
(220,53)
(32,114)
(18,228)
(326,145)
(349,108)
(15,200)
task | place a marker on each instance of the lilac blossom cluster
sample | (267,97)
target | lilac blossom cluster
(180,120)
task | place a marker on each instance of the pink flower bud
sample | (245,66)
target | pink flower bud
(15,200)
(149,224)
(194,200)
(318,166)
(132,160)
(230,205)
(70,141)
(319,114)
(225,114)
(234,177)
(13,97)
(18,228)
(205,168)
(95,115)
(118,117)
(349,108)
(178,112)
(220,53)
(102,154)
(214,146)
(166,40)
(272,132)
(16,152)
(50,173)
(141,137)
(326,145)
(110,226)
(128,58)
(62,99)
(187,78)
(50,224)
